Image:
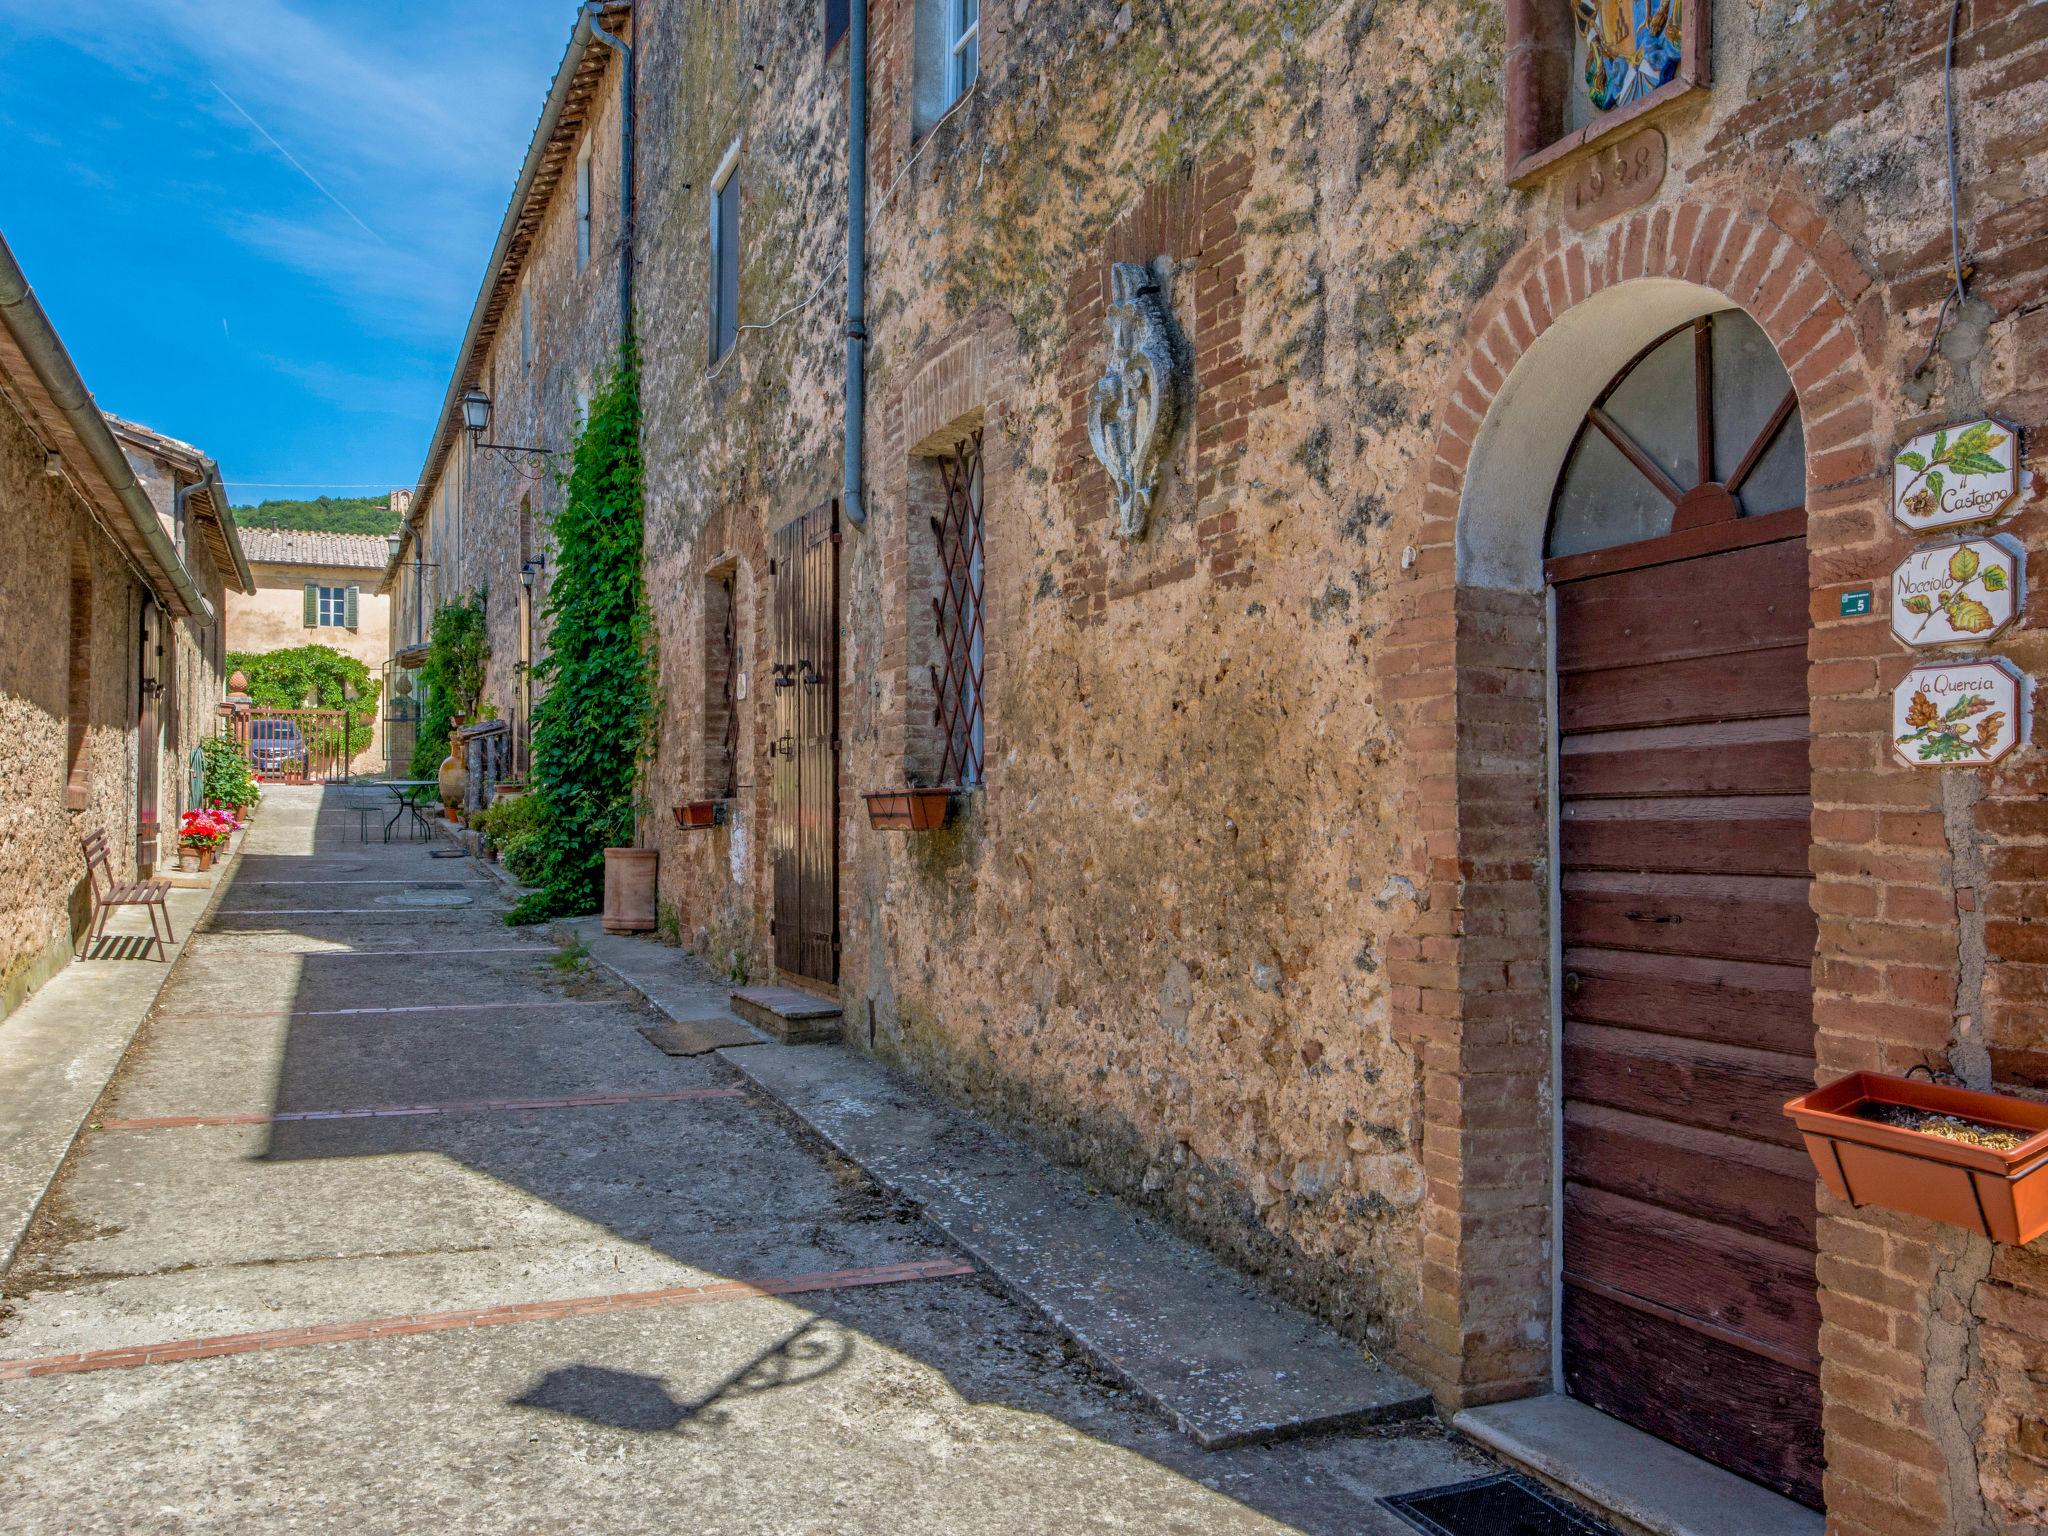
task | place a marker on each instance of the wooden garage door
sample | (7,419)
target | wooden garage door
(1688,1304)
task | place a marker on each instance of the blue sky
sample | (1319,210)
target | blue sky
(259,225)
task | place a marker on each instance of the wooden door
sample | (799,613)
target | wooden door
(805,677)
(1689,1304)
(149,745)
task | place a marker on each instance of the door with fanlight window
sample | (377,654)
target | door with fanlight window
(1677,563)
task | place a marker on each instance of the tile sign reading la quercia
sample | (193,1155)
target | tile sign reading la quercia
(1962,713)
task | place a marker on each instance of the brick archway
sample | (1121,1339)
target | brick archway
(1465,676)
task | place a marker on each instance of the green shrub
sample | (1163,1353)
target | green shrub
(287,679)
(592,725)
(228,779)
(452,681)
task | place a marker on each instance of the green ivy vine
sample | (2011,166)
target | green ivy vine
(452,681)
(592,727)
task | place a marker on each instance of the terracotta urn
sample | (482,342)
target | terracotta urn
(454,780)
(629,889)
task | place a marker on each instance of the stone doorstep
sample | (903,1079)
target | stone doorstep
(1633,1480)
(787,1015)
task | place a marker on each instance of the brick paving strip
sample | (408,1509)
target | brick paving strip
(338,1013)
(475,1317)
(400,1111)
(371,954)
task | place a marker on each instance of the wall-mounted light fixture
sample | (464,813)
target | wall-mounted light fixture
(529,573)
(476,419)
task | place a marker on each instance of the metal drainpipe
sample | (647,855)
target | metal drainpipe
(625,53)
(856,252)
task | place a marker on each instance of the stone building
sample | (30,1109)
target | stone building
(317,589)
(116,548)
(543,334)
(1382,518)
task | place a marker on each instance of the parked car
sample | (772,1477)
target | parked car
(276,747)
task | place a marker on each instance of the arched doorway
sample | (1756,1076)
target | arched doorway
(1676,560)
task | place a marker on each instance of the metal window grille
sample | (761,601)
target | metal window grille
(956,676)
(729,691)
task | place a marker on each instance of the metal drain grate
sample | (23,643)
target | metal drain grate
(1506,1504)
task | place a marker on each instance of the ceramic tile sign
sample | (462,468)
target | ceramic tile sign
(1953,594)
(1961,714)
(1961,474)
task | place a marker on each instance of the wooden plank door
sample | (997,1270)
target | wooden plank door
(149,744)
(805,676)
(1689,1303)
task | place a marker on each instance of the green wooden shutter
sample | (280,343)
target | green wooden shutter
(355,597)
(312,606)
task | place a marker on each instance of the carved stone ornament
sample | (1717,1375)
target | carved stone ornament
(1138,401)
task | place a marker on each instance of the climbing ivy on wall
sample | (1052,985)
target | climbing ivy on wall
(311,676)
(452,681)
(592,726)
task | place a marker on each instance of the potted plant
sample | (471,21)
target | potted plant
(1973,1160)
(203,832)
(698,814)
(908,810)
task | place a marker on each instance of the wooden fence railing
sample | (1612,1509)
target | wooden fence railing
(299,746)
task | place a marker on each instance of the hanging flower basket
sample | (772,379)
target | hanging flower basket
(1982,1166)
(698,814)
(908,810)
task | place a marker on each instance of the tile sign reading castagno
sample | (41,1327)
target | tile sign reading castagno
(1961,474)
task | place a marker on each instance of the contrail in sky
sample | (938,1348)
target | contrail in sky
(344,207)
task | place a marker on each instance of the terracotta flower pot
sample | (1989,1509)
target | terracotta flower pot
(205,858)
(629,889)
(908,810)
(2000,1193)
(699,814)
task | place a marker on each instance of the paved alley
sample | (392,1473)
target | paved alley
(487,1240)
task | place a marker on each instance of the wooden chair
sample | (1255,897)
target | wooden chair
(106,895)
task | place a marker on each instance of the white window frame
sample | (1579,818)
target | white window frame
(583,206)
(724,243)
(961,34)
(332,610)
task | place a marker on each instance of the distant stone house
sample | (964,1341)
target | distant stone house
(1380,520)
(317,589)
(117,547)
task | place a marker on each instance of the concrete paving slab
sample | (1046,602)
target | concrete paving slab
(1229,1365)
(60,1047)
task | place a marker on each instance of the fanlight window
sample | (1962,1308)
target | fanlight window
(1701,428)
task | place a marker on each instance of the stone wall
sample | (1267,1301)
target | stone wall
(1250,916)
(50,549)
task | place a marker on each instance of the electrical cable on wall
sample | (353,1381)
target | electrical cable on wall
(1955,296)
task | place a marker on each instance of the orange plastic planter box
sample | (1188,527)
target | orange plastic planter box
(2003,1195)
(908,810)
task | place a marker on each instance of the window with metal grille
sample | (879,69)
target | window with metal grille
(958,650)
(725,255)
(721,686)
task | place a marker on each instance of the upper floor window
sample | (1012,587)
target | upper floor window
(948,57)
(725,254)
(331,607)
(835,23)
(583,206)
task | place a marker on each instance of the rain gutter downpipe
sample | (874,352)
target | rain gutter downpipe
(856,253)
(625,52)
(23,315)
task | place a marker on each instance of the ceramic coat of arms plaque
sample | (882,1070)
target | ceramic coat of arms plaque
(1967,473)
(1966,714)
(1952,594)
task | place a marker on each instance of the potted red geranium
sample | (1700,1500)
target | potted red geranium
(203,832)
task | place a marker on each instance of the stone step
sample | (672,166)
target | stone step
(787,1015)
(1228,1364)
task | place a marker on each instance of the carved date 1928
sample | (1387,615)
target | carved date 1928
(1614,178)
